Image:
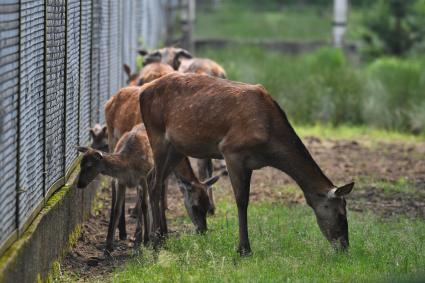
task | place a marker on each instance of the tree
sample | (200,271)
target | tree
(394,27)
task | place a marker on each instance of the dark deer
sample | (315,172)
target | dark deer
(207,117)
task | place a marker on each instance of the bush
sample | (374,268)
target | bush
(324,87)
(394,94)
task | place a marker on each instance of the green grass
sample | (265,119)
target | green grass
(287,246)
(286,22)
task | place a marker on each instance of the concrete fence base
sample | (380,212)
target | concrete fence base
(49,236)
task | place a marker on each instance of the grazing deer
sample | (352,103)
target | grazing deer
(207,117)
(99,137)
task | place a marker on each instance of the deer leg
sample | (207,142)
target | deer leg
(145,212)
(110,233)
(138,233)
(116,214)
(205,170)
(240,178)
(121,223)
(165,199)
(173,158)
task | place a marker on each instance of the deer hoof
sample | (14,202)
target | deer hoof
(244,252)
(211,211)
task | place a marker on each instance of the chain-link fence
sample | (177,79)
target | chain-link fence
(60,60)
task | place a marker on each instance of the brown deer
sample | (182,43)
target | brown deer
(122,112)
(130,163)
(207,117)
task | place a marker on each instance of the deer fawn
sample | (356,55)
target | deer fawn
(207,117)
(129,163)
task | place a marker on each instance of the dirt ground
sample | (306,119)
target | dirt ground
(374,167)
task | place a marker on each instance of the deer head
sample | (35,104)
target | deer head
(91,165)
(196,200)
(99,137)
(331,215)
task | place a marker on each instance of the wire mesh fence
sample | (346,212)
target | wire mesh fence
(60,60)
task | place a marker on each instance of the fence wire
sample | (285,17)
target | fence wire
(60,60)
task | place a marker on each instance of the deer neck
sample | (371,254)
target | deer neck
(294,159)
(115,167)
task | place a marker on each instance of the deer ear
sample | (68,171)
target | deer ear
(82,149)
(176,60)
(211,181)
(127,70)
(341,191)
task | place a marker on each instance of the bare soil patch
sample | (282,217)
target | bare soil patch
(371,165)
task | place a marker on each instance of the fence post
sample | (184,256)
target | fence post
(340,22)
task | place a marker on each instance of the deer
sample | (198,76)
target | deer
(122,112)
(130,163)
(184,62)
(207,117)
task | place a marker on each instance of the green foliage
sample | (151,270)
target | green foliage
(394,94)
(325,87)
(265,22)
(394,27)
(288,246)
(318,87)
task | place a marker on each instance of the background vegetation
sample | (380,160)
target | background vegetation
(327,85)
